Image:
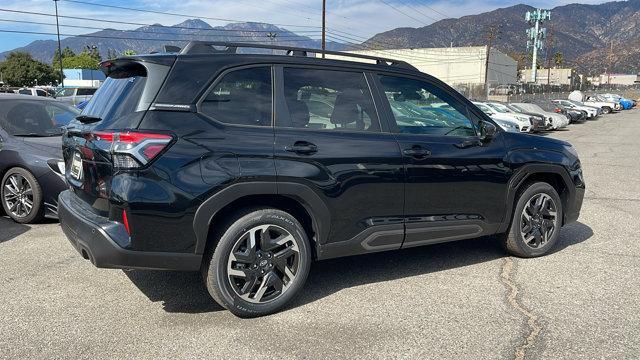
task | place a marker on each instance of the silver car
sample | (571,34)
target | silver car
(74,96)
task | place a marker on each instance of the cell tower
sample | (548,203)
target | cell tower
(535,35)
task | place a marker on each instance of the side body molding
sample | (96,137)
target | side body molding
(313,204)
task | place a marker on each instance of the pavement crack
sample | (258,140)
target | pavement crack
(507,278)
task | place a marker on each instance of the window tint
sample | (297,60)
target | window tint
(34,118)
(41,92)
(326,99)
(117,98)
(242,97)
(24,92)
(422,108)
(85,91)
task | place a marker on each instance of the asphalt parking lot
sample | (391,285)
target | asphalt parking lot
(458,300)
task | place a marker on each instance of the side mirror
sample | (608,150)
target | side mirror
(487,130)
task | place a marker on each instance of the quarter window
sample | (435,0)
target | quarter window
(328,100)
(242,97)
(422,108)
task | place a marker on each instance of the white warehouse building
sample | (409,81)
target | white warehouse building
(455,65)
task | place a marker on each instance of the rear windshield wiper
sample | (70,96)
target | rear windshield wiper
(87,119)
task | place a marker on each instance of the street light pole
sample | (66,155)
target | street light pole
(59,44)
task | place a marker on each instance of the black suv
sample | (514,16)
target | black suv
(249,166)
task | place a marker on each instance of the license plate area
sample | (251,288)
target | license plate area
(76,167)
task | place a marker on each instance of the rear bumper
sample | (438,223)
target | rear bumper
(94,237)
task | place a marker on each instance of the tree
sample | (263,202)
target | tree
(129,53)
(558,59)
(20,69)
(66,52)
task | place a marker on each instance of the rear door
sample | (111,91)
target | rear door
(329,138)
(455,183)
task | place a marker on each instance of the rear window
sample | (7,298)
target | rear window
(117,98)
(35,118)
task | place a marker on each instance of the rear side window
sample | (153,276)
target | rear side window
(24,92)
(328,100)
(241,97)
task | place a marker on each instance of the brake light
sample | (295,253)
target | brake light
(134,149)
(125,221)
(558,110)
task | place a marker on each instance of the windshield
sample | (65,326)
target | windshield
(35,118)
(513,108)
(499,108)
(576,102)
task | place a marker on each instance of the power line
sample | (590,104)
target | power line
(177,14)
(121,38)
(436,11)
(401,12)
(144,31)
(144,24)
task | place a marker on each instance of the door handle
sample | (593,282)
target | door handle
(302,147)
(416,152)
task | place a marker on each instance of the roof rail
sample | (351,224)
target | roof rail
(222,47)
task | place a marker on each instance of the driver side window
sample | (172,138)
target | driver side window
(422,108)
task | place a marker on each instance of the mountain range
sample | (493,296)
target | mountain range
(589,37)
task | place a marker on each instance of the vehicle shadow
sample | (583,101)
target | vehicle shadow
(10,229)
(186,293)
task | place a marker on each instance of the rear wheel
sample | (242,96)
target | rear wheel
(260,262)
(536,222)
(606,109)
(22,196)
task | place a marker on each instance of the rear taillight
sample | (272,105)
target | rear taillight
(131,150)
(558,110)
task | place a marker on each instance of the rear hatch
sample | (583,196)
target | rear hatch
(107,127)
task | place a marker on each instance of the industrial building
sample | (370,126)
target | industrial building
(552,76)
(619,79)
(455,65)
(83,78)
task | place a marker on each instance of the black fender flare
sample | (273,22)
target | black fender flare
(304,195)
(521,175)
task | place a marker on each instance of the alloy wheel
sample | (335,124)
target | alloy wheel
(263,263)
(18,195)
(538,220)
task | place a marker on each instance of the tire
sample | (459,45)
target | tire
(234,266)
(527,245)
(21,196)
(606,110)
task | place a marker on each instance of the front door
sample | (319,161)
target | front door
(329,139)
(455,183)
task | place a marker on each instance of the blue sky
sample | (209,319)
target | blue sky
(358,19)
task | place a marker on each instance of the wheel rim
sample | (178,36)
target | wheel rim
(263,263)
(538,220)
(18,196)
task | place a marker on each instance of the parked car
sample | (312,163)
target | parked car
(556,121)
(31,165)
(33,92)
(537,121)
(625,103)
(235,177)
(503,118)
(574,115)
(74,96)
(592,112)
(606,106)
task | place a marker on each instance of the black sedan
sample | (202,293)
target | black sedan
(31,166)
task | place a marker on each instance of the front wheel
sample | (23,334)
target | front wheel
(260,263)
(21,196)
(606,110)
(536,222)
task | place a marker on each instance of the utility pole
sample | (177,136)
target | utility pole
(609,65)
(59,44)
(324,27)
(536,34)
(491,35)
(548,50)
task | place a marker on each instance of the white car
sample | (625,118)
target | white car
(506,122)
(607,106)
(556,121)
(33,92)
(592,112)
